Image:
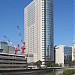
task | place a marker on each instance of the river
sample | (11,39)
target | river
(55,72)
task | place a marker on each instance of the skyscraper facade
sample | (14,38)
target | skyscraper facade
(38,27)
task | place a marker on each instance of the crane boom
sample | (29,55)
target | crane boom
(9,41)
(19,32)
(23,47)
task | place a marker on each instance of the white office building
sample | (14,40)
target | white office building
(38,28)
(63,55)
(59,54)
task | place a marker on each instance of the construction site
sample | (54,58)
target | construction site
(12,49)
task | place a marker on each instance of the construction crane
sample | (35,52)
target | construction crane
(23,47)
(16,48)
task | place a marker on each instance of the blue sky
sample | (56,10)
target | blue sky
(63,22)
(12,14)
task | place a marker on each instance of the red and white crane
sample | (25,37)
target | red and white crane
(23,47)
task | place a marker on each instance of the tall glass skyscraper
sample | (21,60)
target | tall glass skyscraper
(39,35)
(49,30)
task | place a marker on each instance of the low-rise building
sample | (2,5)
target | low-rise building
(9,49)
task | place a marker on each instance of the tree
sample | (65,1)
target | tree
(48,64)
(68,72)
(39,63)
(51,64)
(72,63)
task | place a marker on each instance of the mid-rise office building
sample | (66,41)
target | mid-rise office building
(63,55)
(38,27)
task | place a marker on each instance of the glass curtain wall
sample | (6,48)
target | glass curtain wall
(49,31)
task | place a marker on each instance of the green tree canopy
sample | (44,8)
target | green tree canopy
(39,63)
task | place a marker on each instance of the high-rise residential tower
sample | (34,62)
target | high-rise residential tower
(38,27)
